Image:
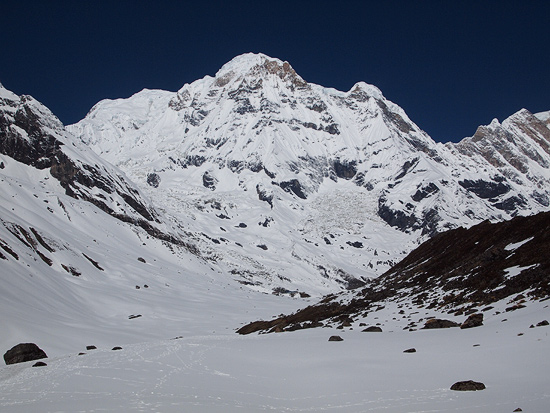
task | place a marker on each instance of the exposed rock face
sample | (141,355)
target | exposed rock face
(24,352)
(468,385)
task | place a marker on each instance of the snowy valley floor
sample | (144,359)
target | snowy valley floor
(302,371)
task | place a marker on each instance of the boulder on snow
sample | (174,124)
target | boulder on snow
(410,350)
(439,323)
(372,329)
(335,338)
(475,320)
(542,323)
(24,352)
(39,364)
(468,385)
(91,347)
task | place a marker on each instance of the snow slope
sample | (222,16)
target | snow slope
(300,371)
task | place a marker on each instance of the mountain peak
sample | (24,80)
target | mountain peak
(257,65)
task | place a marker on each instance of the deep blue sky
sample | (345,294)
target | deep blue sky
(450,65)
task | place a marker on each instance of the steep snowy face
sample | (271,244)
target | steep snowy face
(258,114)
(285,180)
(32,135)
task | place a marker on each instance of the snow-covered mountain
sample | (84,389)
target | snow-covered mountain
(86,257)
(290,181)
(191,202)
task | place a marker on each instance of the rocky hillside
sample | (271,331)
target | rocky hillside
(459,272)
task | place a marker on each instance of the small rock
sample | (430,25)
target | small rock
(81,354)
(372,329)
(117,348)
(91,347)
(519,409)
(131,317)
(141,259)
(24,352)
(335,338)
(542,323)
(468,385)
(39,364)
(410,350)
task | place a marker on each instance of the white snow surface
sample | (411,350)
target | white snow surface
(300,371)
(515,245)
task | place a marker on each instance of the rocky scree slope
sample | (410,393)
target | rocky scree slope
(292,185)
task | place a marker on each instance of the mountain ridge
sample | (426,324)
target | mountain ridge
(257,134)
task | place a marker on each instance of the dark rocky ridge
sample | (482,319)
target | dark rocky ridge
(455,271)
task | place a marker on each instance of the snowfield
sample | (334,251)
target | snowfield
(301,371)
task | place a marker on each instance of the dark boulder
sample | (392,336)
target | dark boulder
(117,348)
(475,320)
(542,323)
(24,352)
(439,323)
(335,338)
(39,364)
(410,350)
(468,385)
(91,347)
(372,329)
